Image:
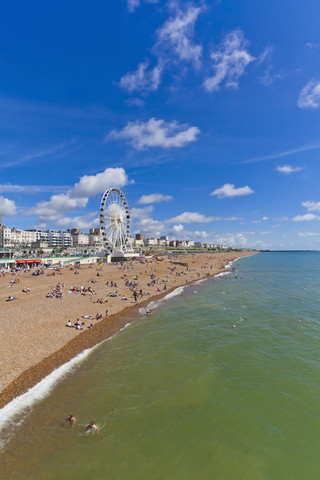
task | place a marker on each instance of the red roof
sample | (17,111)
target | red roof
(30,260)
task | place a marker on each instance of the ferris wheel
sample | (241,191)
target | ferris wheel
(115,220)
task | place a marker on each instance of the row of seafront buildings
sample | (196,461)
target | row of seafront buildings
(71,238)
(140,240)
(41,238)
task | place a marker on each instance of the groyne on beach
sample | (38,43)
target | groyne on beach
(35,340)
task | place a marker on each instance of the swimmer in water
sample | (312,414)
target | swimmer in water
(70,420)
(234,325)
(92,427)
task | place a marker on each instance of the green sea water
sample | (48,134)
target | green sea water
(185,395)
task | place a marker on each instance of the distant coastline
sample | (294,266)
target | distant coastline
(289,251)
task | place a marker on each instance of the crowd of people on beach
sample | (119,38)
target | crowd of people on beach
(82,290)
(57,291)
(154,282)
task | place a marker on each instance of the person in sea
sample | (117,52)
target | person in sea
(92,427)
(70,420)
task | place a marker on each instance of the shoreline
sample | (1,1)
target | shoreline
(105,329)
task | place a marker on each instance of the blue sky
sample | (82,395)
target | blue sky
(205,114)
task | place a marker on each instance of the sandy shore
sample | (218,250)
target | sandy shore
(34,337)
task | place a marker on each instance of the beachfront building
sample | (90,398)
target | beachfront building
(80,239)
(189,244)
(138,243)
(149,242)
(163,242)
(130,242)
(5,236)
(14,237)
(54,238)
(95,237)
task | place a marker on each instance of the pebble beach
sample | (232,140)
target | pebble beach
(34,337)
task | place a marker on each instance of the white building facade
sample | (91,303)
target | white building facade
(14,237)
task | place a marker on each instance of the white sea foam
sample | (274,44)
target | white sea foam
(151,306)
(155,303)
(222,274)
(14,412)
(175,292)
(228,267)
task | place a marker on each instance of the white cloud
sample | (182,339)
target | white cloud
(133,4)
(82,222)
(228,190)
(269,77)
(174,44)
(142,78)
(141,213)
(229,61)
(308,234)
(286,169)
(155,133)
(38,155)
(177,228)
(311,206)
(9,187)
(310,95)
(306,218)
(265,55)
(154,198)
(90,185)
(152,228)
(261,220)
(190,217)
(175,37)
(200,234)
(78,196)
(286,153)
(312,45)
(135,102)
(56,206)
(144,223)
(231,239)
(7,207)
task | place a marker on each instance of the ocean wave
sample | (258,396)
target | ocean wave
(13,414)
(175,292)
(151,306)
(222,274)
(155,303)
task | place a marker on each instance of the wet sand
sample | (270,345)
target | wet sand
(34,337)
